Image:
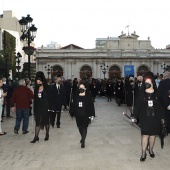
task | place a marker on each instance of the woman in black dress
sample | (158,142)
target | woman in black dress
(150,113)
(41,106)
(84,110)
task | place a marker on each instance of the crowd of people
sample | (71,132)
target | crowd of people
(147,97)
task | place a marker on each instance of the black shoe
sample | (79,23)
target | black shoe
(152,155)
(82,145)
(36,139)
(15,131)
(25,132)
(143,159)
(9,116)
(46,137)
(58,126)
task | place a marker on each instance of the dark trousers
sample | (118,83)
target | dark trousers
(7,108)
(53,116)
(83,133)
(22,114)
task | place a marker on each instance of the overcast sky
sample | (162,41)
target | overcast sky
(80,22)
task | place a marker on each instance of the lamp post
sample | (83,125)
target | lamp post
(28,34)
(18,60)
(48,68)
(164,67)
(104,69)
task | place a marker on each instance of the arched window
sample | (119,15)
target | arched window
(114,72)
(142,70)
(86,72)
(57,71)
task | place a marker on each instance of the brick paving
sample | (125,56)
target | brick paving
(112,144)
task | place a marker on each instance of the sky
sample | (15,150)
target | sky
(80,22)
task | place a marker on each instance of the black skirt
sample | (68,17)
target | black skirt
(82,121)
(41,113)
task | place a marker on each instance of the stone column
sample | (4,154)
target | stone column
(94,69)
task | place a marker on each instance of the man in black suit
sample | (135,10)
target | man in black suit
(58,98)
(163,88)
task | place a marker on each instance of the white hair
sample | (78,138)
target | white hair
(22,82)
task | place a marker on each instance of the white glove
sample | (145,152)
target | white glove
(133,120)
(168,107)
(92,117)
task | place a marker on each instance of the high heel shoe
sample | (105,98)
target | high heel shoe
(152,155)
(143,158)
(46,137)
(36,139)
(82,145)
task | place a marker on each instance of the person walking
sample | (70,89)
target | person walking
(58,99)
(164,87)
(151,115)
(41,106)
(2,95)
(21,97)
(119,88)
(130,94)
(84,109)
(109,90)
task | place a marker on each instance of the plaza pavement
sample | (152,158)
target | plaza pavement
(112,143)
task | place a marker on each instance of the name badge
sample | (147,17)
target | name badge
(39,95)
(150,103)
(94,86)
(80,104)
(118,88)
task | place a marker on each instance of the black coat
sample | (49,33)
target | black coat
(119,89)
(149,118)
(41,106)
(88,106)
(57,97)
(163,88)
(129,94)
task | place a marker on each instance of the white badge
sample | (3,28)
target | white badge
(80,104)
(39,95)
(118,88)
(150,103)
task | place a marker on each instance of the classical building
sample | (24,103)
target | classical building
(113,57)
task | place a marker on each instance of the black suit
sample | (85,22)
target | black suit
(163,88)
(58,98)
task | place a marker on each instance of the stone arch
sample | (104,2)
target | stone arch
(57,70)
(85,71)
(114,71)
(142,69)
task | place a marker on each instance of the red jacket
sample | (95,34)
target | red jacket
(21,97)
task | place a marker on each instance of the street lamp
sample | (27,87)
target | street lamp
(48,68)
(28,34)
(164,67)
(104,69)
(18,60)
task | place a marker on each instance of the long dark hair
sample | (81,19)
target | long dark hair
(40,76)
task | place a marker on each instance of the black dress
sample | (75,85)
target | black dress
(150,112)
(41,106)
(84,108)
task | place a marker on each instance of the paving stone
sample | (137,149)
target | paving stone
(112,144)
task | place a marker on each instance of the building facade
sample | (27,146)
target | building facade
(113,57)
